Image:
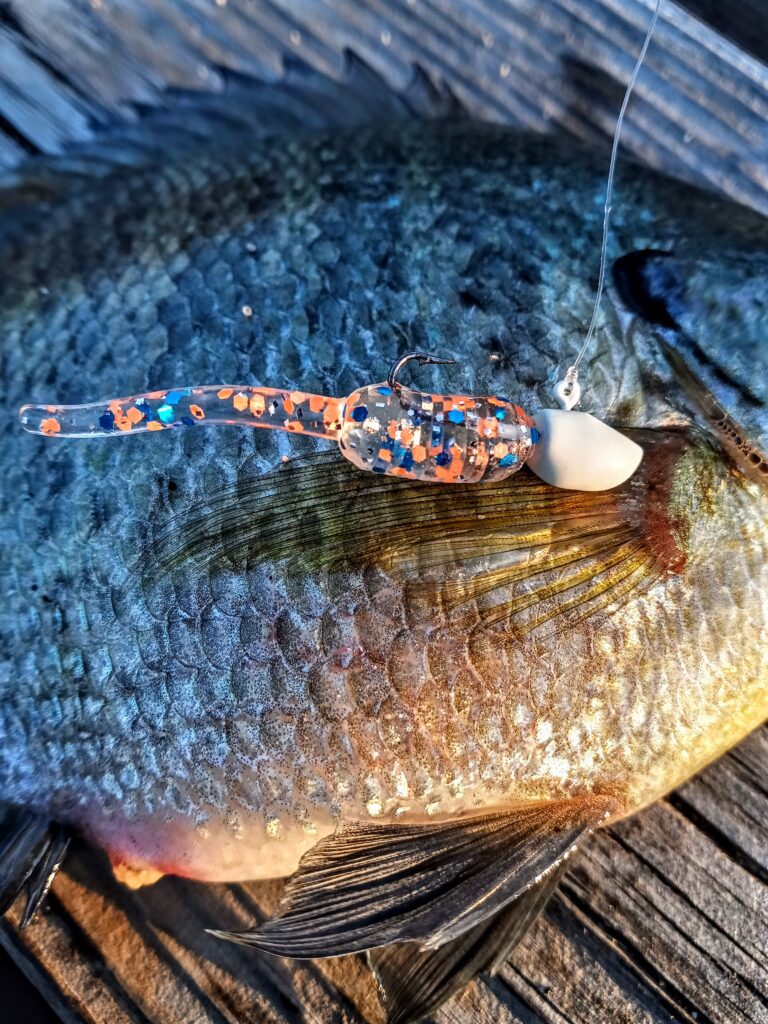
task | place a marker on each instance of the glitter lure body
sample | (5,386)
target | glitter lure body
(217,645)
(382,428)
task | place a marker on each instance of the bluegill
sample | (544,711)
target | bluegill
(228,655)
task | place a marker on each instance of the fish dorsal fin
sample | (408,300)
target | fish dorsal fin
(415,982)
(238,117)
(371,884)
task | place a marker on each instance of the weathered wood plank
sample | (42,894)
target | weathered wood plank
(738,825)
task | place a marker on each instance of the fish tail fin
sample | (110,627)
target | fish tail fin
(31,851)
(415,982)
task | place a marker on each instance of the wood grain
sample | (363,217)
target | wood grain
(662,918)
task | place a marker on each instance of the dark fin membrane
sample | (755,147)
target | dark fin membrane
(246,112)
(467,547)
(749,459)
(31,852)
(414,983)
(370,885)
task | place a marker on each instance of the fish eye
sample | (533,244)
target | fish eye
(648,285)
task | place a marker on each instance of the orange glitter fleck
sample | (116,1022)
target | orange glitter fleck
(406,435)
(50,426)
(392,429)
(385,454)
(257,405)
(523,416)
(240,401)
(135,415)
(297,397)
(154,425)
(288,405)
(332,415)
(197,412)
(316,403)
(419,453)
(500,450)
(123,423)
(294,426)
(224,394)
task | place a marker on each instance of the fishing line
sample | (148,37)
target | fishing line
(568,391)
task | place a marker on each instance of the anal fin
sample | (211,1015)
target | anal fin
(372,884)
(416,982)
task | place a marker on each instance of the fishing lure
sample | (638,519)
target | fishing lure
(384,428)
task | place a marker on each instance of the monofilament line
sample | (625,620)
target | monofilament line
(567,387)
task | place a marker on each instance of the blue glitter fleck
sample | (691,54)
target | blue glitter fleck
(143,406)
(174,397)
(407,461)
(443,459)
(165,413)
(187,421)
(360,413)
(501,398)
(107,421)
(508,460)
(456,416)
(500,414)
(384,391)
(535,435)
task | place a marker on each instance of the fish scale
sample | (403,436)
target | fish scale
(217,720)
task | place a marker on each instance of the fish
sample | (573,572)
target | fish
(227,654)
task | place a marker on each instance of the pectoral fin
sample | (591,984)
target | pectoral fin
(415,983)
(530,556)
(371,885)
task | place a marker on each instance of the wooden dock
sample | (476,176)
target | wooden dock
(662,918)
